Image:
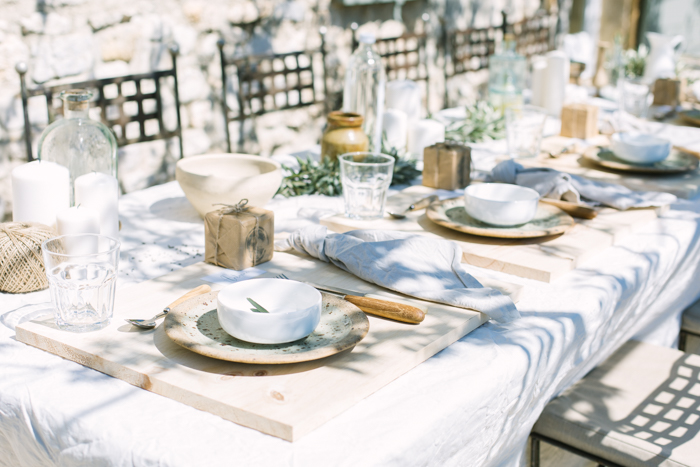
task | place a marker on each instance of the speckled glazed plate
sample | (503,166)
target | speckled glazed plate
(690,116)
(549,220)
(195,326)
(677,162)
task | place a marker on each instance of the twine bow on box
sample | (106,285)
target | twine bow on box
(238,208)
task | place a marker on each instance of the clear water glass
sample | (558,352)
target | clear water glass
(634,96)
(82,274)
(365,177)
(524,126)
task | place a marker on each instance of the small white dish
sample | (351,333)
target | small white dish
(640,148)
(294,310)
(501,204)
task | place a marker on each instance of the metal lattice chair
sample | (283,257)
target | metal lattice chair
(131,105)
(469,50)
(466,51)
(405,56)
(640,407)
(535,35)
(271,83)
(690,325)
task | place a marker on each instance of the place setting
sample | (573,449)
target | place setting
(292,235)
(641,153)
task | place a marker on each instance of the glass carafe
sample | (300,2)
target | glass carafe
(77,142)
(507,72)
(363,94)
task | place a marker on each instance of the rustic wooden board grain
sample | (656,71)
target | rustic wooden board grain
(287,401)
(544,259)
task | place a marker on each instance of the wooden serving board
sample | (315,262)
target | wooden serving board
(544,259)
(287,401)
(685,185)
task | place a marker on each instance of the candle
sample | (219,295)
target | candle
(539,81)
(404,94)
(557,77)
(395,124)
(78,220)
(39,190)
(100,191)
(424,133)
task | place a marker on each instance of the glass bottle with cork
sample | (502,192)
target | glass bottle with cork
(78,143)
(365,81)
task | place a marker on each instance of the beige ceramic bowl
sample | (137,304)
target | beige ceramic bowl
(228,178)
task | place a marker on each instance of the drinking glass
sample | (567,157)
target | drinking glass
(365,177)
(82,274)
(524,125)
(634,96)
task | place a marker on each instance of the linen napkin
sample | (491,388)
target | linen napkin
(415,265)
(550,183)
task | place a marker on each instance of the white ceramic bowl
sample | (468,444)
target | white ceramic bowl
(294,310)
(228,178)
(640,148)
(501,204)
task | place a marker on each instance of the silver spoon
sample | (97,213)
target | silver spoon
(151,323)
(422,204)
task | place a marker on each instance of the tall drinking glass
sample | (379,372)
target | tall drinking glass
(635,96)
(82,274)
(524,126)
(365,177)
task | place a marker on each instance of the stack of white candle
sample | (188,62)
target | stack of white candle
(100,192)
(395,124)
(41,193)
(424,133)
(404,95)
(403,126)
(79,220)
(549,79)
(40,190)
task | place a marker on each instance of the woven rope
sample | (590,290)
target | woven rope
(21,264)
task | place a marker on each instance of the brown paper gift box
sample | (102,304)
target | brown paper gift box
(668,91)
(579,121)
(239,237)
(446,166)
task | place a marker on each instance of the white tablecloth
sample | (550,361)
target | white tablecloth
(472,404)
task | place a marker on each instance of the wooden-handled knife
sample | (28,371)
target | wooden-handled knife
(376,305)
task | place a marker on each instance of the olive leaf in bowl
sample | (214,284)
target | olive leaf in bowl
(257,308)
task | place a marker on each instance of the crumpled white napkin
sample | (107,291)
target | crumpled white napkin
(550,183)
(419,266)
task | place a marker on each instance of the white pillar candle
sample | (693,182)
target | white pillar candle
(78,220)
(424,133)
(39,190)
(539,82)
(100,192)
(557,78)
(404,94)
(395,124)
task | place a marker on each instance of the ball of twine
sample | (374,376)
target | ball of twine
(21,264)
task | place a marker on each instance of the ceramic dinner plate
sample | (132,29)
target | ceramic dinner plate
(690,116)
(195,326)
(677,162)
(549,220)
